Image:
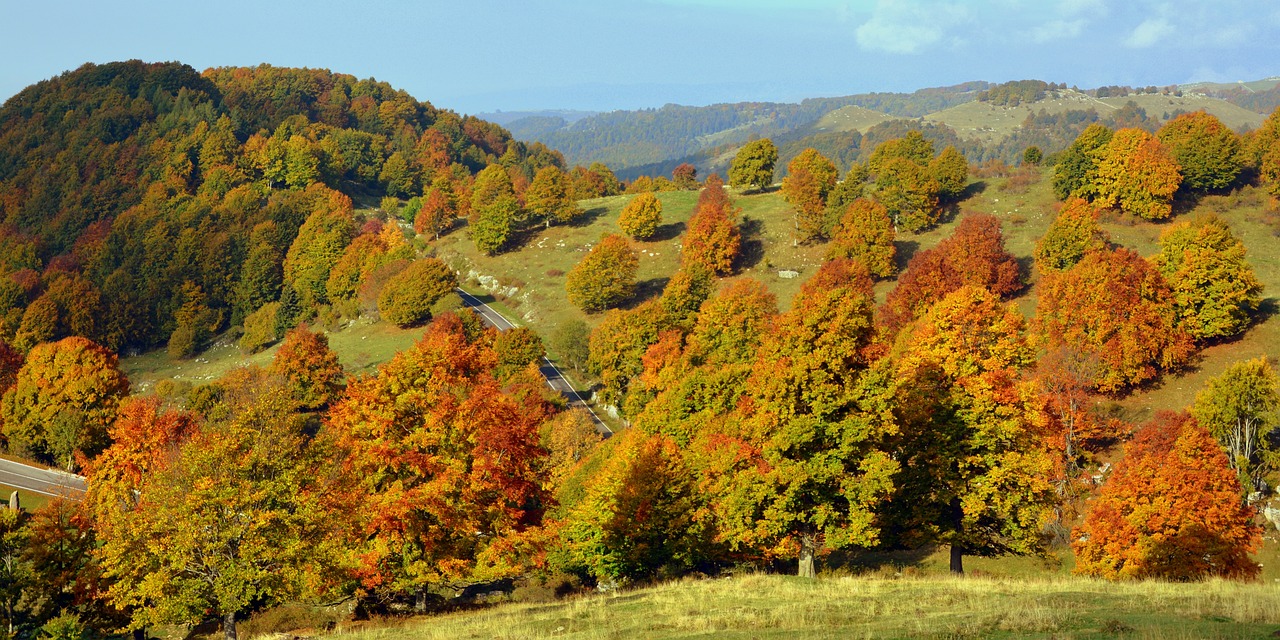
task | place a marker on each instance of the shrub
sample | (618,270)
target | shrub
(260,328)
(641,217)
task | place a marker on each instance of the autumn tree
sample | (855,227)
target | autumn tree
(810,178)
(685,292)
(319,245)
(1215,290)
(407,297)
(685,176)
(605,277)
(449,467)
(1077,168)
(1207,152)
(195,322)
(641,217)
(909,192)
(731,325)
(865,233)
(571,342)
(801,466)
(752,167)
(436,214)
(1171,510)
(973,255)
(638,518)
(972,473)
(713,238)
(617,347)
(951,170)
(234,522)
(494,209)
(1115,306)
(309,367)
(517,348)
(1241,408)
(550,197)
(1073,233)
(1136,173)
(63,401)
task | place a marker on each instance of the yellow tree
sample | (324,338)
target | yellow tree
(810,177)
(1136,173)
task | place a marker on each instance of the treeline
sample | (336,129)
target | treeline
(624,139)
(1014,93)
(147,204)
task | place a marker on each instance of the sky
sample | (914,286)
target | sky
(478,56)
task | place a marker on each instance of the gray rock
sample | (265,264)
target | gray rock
(787,274)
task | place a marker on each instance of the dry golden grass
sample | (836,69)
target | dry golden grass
(768,606)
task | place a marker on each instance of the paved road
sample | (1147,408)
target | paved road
(29,479)
(555,379)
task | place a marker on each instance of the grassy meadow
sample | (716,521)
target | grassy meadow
(887,605)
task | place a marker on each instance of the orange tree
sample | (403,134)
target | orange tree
(810,177)
(1137,174)
(448,466)
(865,233)
(310,368)
(713,238)
(1115,307)
(1171,510)
(63,401)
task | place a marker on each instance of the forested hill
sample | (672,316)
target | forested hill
(625,139)
(136,198)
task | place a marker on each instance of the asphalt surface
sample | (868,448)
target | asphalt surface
(555,379)
(29,479)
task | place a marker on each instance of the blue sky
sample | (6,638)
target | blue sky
(485,55)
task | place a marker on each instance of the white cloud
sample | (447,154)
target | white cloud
(1057,30)
(899,27)
(1151,31)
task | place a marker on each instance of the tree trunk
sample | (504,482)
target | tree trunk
(806,556)
(229,626)
(957,559)
(420,601)
(140,633)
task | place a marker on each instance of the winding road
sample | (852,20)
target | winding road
(555,379)
(45,482)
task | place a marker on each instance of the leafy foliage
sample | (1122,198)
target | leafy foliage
(1137,173)
(309,368)
(866,234)
(1214,289)
(605,277)
(713,238)
(1170,510)
(1074,233)
(1240,409)
(810,178)
(641,217)
(1115,306)
(1077,167)
(1207,152)
(753,167)
(408,296)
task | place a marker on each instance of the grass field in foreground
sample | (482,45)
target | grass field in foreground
(767,606)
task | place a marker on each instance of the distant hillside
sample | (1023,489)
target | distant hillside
(505,118)
(1262,96)
(629,139)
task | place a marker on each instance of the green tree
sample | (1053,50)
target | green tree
(1032,156)
(1214,289)
(233,523)
(605,277)
(909,193)
(1207,152)
(913,147)
(1078,165)
(753,167)
(407,297)
(641,217)
(64,399)
(319,245)
(550,197)
(1136,173)
(397,176)
(973,474)
(571,341)
(1241,408)
(685,292)
(951,170)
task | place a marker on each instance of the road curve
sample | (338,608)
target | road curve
(46,482)
(555,379)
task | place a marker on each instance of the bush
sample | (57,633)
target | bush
(182,342)
(447,302)
(407,298)
(641,217)
(260,328)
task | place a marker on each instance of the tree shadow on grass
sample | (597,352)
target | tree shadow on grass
(751,252)
(905,250)
(588,217)
(668,232)
(645,290)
